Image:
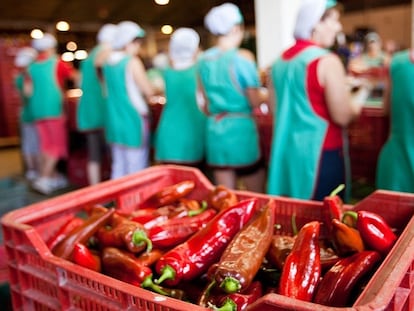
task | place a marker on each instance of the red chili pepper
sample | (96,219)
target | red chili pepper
(169,195)
(124,233)
(302,269)
(337,285)
(375,232)
(175,231)
(233,272)
(193,257)
(240,301)
(70,225)
(82,234)
(84,257)
(221,198)
(124,266)
(150,258)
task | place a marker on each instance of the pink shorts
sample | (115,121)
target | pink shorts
(53,137)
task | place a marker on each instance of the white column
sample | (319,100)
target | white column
(274,28)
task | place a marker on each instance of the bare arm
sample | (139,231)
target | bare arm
(141,79)
(343,107)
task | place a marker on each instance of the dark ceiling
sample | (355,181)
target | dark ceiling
(87,14)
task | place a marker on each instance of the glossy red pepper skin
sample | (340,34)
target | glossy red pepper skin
(169,195)
(244,299)
(123,266)
(175,231)
(193,257)
(234,273)
(221,198)
(375,232)
(336,286)
(84,257)
(121,234)
(302,268)
(82,234)
(70,225)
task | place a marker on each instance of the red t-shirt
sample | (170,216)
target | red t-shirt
(64,70)
(316,95)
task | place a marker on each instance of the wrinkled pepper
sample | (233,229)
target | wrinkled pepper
(375,232)
(221,198)
(240,301)
(244,255)
(70,225)
(150,258)
(169,195)
(84,257)
(346,239)
(194,256)
(175,231)
(302,269)
(124,233)
(336,286)
(82,234)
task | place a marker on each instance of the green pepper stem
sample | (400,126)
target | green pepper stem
(196,212)
(230,285)
(337,190)
(168,273)
(149,284)
(139,237)
(353,215)
(229,305)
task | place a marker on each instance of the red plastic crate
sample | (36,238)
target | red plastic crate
(41,281)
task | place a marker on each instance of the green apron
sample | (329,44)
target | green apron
(180,132)
(123,122)
(91,107)
(396,159)
(47,100)
(232,138)
(299,132)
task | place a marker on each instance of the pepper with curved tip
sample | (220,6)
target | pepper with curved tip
(244,255)
(346,239)
(221,198)
(302,268)
(82,234)
(336,287)
(194,256)
(70,225)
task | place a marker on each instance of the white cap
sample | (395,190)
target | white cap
(106,33)
(221,19)
(46,42)
(183,46)
(309,14)
(125,33)
(24,57)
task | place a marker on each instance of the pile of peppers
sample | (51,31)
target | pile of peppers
(223,253)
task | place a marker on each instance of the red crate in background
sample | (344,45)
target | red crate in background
(367,135)
(45,282)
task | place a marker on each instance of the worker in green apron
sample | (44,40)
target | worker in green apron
(396,160)
(230,82)
(312,107)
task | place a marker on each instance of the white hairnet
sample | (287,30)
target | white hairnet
(46,42)
(309,14)
(221,19)
(106,33)
(24,57)
(184,44)
(125,33)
